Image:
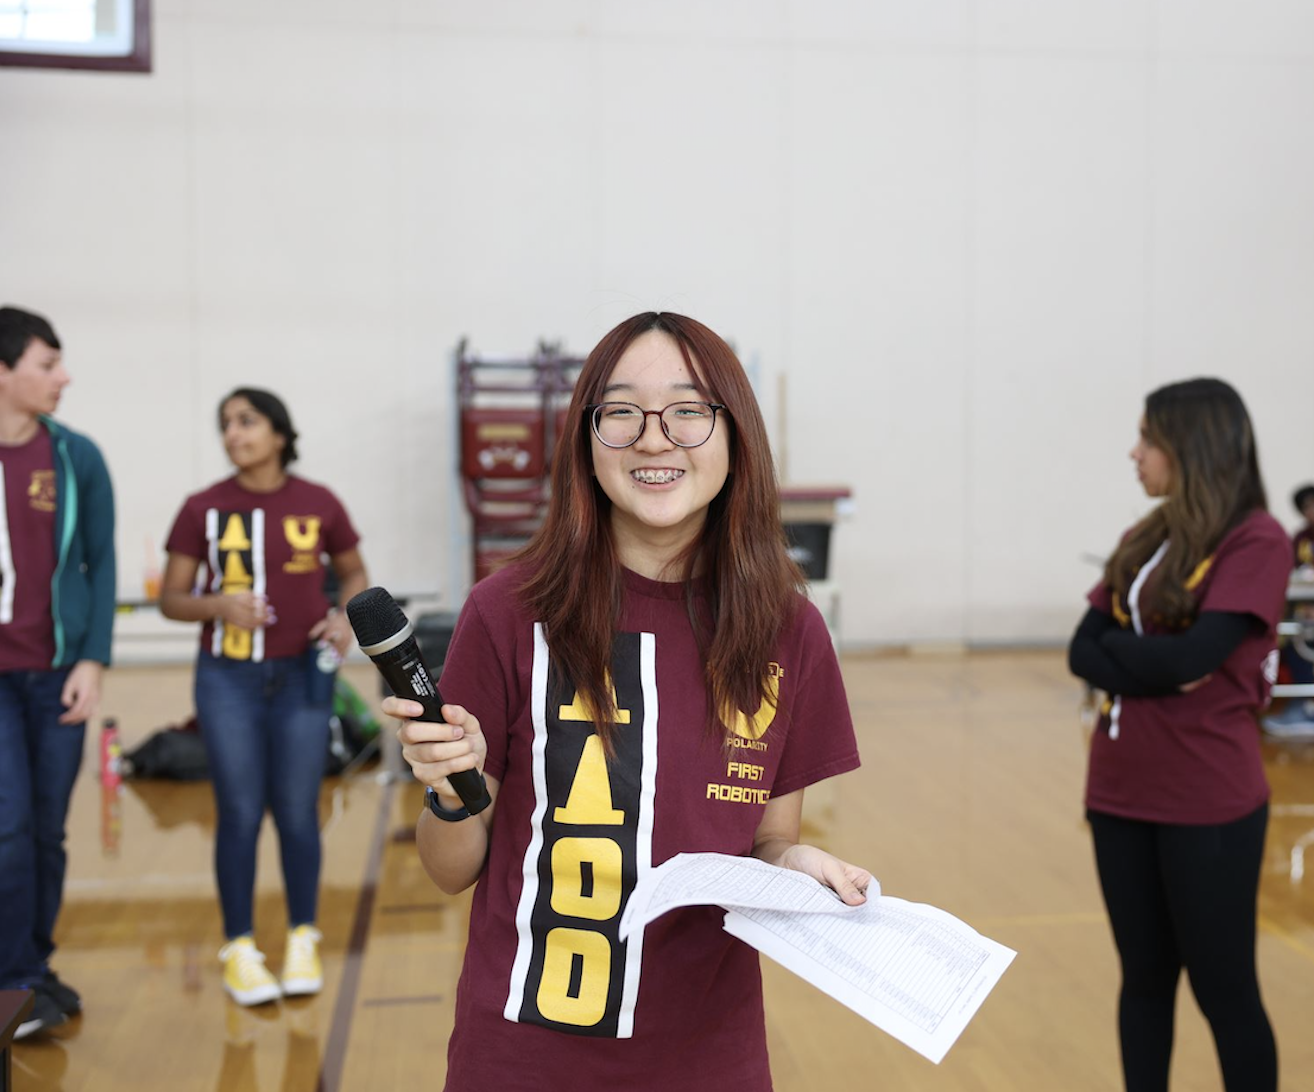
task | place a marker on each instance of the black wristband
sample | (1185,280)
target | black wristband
(431,798)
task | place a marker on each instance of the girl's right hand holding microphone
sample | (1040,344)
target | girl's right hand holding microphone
(435,750)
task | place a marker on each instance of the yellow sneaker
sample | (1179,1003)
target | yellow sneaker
(246,978)
(302,972)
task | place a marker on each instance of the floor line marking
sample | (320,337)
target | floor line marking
(344,1008)
(1268,925)
(422,999)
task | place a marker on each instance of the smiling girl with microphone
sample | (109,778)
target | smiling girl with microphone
(645,679)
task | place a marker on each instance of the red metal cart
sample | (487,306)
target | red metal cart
(511,414)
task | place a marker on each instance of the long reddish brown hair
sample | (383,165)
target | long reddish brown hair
(576,585)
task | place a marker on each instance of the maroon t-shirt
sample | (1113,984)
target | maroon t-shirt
(549,997)
(1195,758)
(27,555)
(267,543)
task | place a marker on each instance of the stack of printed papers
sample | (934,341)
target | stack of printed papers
(914,971)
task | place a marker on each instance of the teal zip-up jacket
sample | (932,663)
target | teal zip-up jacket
(83,588)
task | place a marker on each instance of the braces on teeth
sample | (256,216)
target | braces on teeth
(656,477)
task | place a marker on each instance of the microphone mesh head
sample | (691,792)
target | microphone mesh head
(375,616)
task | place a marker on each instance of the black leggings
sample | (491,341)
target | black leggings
(1184,896)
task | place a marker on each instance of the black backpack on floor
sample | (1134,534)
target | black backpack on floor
(175,753)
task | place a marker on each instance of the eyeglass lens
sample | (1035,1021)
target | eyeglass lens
(688,424)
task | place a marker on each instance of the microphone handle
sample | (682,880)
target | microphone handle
(404,670)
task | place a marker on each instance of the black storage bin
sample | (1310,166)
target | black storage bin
(809,546)
(433,633)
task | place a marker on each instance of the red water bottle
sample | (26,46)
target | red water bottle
(110,750)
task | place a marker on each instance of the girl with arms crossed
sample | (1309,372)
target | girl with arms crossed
(644,680)
(1181,634)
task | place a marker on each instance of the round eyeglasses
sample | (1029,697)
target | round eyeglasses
(686,424)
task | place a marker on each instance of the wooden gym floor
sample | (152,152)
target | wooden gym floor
(969,799)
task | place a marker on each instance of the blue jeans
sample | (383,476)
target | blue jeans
(39,759)
(1300,669)
(266,728)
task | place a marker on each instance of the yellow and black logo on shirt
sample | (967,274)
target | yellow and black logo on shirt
(41,491)
(593,838)
(302,534)
(743,782)
(236,557)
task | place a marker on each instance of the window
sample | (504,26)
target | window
(104,34)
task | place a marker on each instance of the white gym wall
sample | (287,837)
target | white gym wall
(969,234)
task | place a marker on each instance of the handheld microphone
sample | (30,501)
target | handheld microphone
(386,636)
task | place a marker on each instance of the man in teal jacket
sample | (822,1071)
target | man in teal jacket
(57,586)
